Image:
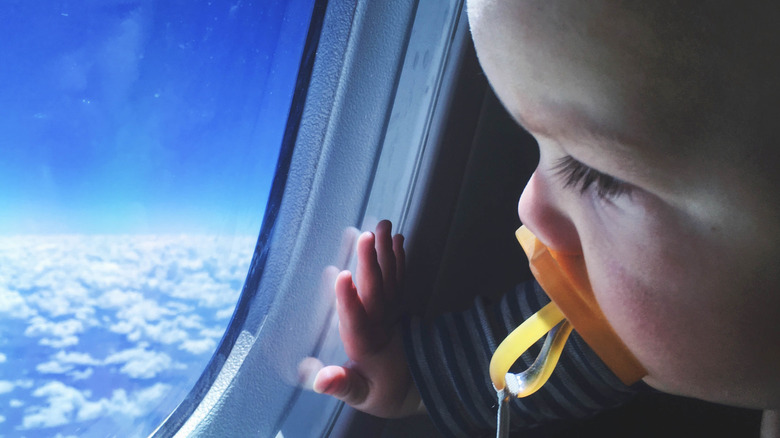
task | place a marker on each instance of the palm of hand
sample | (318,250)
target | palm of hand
(376,379)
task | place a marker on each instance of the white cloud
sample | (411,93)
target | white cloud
(179,308)
(63,332)
(198,346)
(202,287)
(6,386)
(142,311)
(82,375)
(212,332)
(136,404)
(90,410)
(123,327)
(51,303)
(166,332)
(119,298)
(64,362)
(163,330)
(225,313)
(15,403)
(3,358)
(53,367)
(65,404)
(62,403)
(59,294)
(63,342)
(24,383)
(102,275)
(13,305)
(76,358)
(140,363)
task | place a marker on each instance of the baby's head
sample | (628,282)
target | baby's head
(659,162)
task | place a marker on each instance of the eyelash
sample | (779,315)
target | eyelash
(578,175)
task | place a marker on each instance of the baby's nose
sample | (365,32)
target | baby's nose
(542,212)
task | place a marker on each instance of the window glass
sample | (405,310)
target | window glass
(138,141)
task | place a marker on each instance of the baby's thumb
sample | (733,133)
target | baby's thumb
(343,383)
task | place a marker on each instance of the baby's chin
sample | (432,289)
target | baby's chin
(744,398)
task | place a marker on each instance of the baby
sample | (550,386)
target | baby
(659,163)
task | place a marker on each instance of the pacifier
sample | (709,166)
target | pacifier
(565,280)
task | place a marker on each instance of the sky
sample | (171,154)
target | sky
(143,116)
(138,142)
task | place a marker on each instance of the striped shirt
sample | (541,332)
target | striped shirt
(449,360)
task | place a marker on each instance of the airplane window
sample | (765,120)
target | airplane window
(139,141)
(372,71)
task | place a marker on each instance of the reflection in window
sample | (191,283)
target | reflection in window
(139,141)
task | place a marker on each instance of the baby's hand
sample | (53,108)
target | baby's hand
(376,378)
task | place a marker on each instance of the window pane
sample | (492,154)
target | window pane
(139,141)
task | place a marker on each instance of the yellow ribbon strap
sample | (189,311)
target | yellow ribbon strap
(520,340)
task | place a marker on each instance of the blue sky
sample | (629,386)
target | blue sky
(143,116)
(130,118)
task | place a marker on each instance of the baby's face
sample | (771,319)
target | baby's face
(642,171)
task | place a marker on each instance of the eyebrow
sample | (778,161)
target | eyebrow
(566,123)
(554,120)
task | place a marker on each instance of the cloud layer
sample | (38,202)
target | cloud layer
(117,327)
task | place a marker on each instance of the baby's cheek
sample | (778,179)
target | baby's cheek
(628,306)
(646,309)
(678,312)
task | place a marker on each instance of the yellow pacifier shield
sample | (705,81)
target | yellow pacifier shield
(565,280)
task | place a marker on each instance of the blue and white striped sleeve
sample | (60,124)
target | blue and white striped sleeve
(449,360)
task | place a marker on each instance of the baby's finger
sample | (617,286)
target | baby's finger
(386,258)
(355,328)
(369,277)
(400,260)
(343,383)
(308,368)
(404,302)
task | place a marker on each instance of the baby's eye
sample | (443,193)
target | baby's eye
(578,175)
